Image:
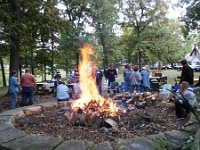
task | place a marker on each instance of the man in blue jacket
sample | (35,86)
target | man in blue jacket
(13,89)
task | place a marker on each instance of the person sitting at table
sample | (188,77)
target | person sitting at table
(62,92)
(76,89)
(185,100)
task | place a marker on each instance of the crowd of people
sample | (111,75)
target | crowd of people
(135,79)
(28,86)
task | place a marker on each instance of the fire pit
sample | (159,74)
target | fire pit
(137,122)
(97,119)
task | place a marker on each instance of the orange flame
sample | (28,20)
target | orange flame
(87,72)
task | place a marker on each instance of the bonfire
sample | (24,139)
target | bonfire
(91,104)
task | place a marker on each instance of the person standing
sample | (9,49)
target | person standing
(187,73)
(13,89)
(99,76)
(135,79)
(105,73)
(57,78)
(145,79)
(28,84)
(127,77)
(111,74)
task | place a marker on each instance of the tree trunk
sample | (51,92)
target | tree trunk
(32,63)
(52,69)
(52,52)
(139,59)
(105,51)
(3,71)
(14,36)
(138,48)
(20,70)
(45,74)
(129,56)
(66,67)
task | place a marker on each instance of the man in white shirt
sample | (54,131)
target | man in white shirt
(62,92)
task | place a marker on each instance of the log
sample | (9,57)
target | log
(111,122)
(69,115)
(140,104)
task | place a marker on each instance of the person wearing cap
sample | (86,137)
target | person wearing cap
(13,89)
(187,73)
(28,84)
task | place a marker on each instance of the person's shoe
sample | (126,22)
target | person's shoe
(179,119)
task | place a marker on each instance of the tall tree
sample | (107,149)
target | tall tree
(192,16)
(104,17)
(141,14)
(75,14)
(14,35)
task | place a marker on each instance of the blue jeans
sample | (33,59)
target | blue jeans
(110,82)
(128,88)
(27,93)
(13,100)
(135,88)
(144,89)
(99,87)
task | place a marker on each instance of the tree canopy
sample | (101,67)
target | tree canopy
(46,35)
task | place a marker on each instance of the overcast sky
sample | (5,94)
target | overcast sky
(173,11)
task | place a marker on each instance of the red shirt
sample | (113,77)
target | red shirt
(28,80)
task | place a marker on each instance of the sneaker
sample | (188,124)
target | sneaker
(179,119)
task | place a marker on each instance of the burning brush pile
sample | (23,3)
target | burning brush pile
(91,109)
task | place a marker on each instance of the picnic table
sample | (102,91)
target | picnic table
(45,87)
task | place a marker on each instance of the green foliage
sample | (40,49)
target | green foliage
(192,16)
(189,145)
(162,144)
(52,38)
(158,41)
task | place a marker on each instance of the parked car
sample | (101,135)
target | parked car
(195,67)
(178,68)
(166,67)
(198,68)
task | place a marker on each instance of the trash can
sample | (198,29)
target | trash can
(154,86)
